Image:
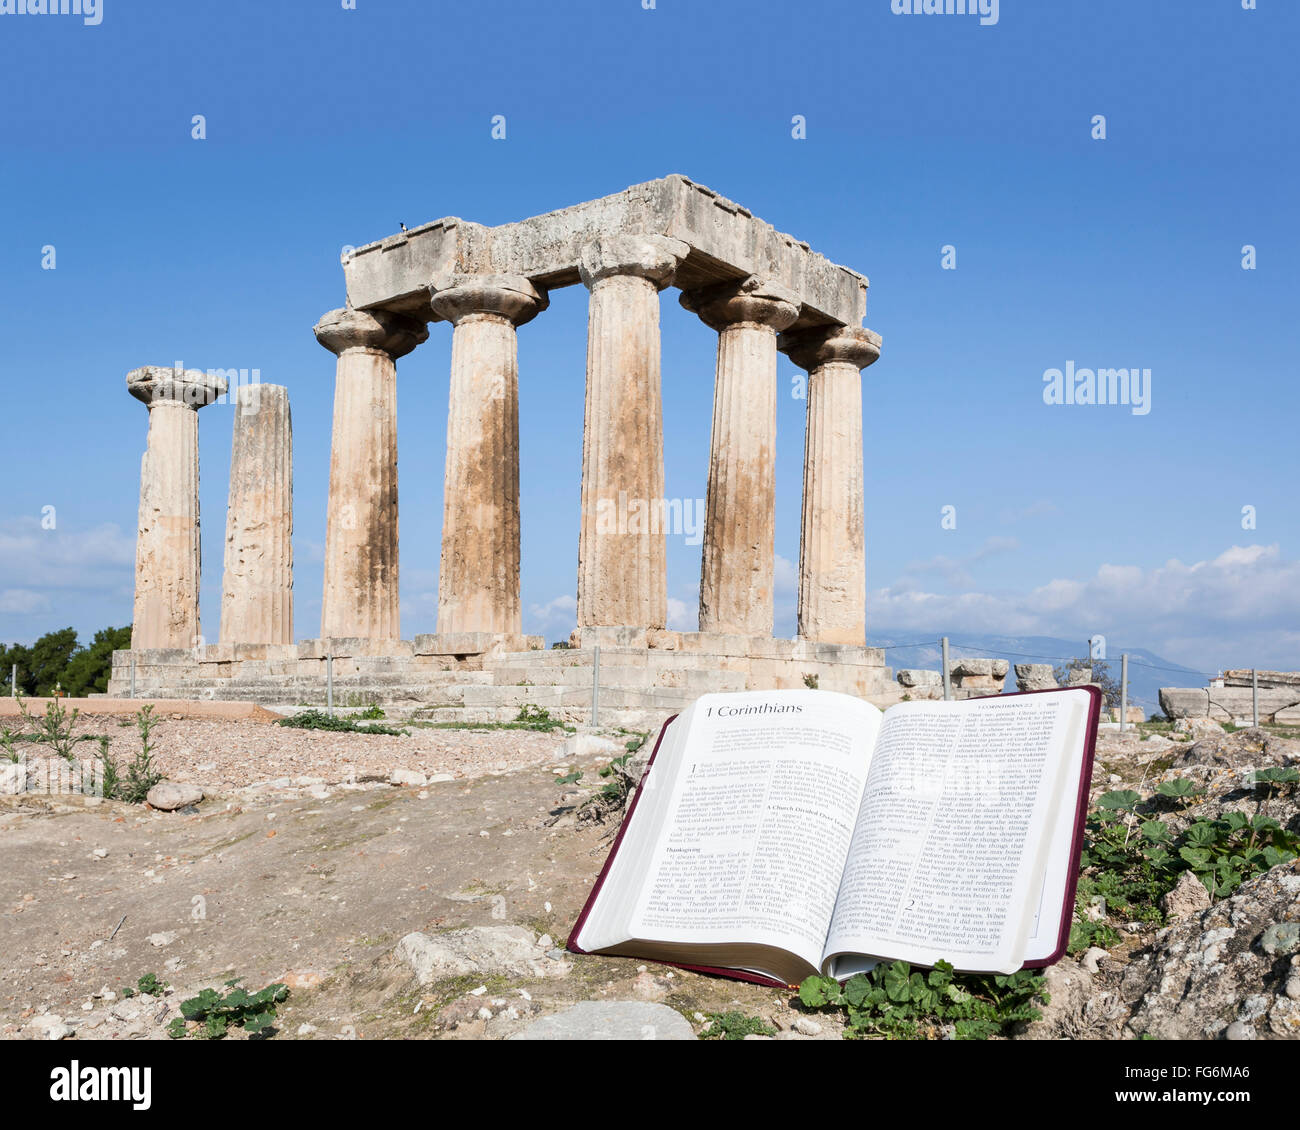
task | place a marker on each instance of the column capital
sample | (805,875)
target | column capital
(188,388)
(652,257)
(511,297)
(824,345)
(753,300)
(394,334)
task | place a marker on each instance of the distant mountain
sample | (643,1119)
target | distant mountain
(1147,671)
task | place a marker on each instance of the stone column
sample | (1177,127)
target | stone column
(832,560)
(478,581)
(740,527)
(361,598)
(622,554)
(167,558)
(257,587)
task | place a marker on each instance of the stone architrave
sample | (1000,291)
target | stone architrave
(736,568)
(167,557)
(257,583)
(478,580)
(622,549)
(361,534)
(832,560)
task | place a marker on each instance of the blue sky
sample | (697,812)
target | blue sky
(328,126)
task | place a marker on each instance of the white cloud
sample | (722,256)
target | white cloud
(1242,607)
(785,579)
(682,616)
(23,602)
(956,570)
(100,557)
(556,615)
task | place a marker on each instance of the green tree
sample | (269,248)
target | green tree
(57,659)
(89,667)
(49,656)
(22,656)
(1100,675)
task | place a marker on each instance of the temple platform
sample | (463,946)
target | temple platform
(644,675)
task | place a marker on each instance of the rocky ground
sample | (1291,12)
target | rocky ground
(437,907)
(1227,970)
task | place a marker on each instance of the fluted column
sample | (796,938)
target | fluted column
(167,556)
(832,559)
(361,536)
(478,581)
(736,566)
(257,585)
(622,551)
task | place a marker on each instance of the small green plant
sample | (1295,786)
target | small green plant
(373,711)
(320,720)
(1126,872)
(532,717)
(55,727)
(811,681)
(1276,780)
(216,1013)
(141,774)
(734,1026)
(8,740)
(150,985)
(896,1002)
(1180,789)
(112,775)
(570,778)
(616,786)
(1224,852)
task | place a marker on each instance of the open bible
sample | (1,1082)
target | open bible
(785,833)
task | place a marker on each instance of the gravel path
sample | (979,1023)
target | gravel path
(228,755)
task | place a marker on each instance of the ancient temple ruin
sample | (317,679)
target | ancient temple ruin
(763,292)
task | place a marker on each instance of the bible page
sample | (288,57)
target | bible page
(949,850)
(757,824)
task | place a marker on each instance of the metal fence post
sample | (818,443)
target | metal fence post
(947,679)
(329,683)
(13,682)
(595,687)
(1254,697)
(133,676)
(1123,692)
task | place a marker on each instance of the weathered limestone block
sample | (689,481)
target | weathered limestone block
(394,272)
(1035,677)
(1271,680)
(478,582)
(167,559)
(736,590)
(832,563)
(257,585)
(622,556)
(920,685)
(1231,704)
(361,569)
